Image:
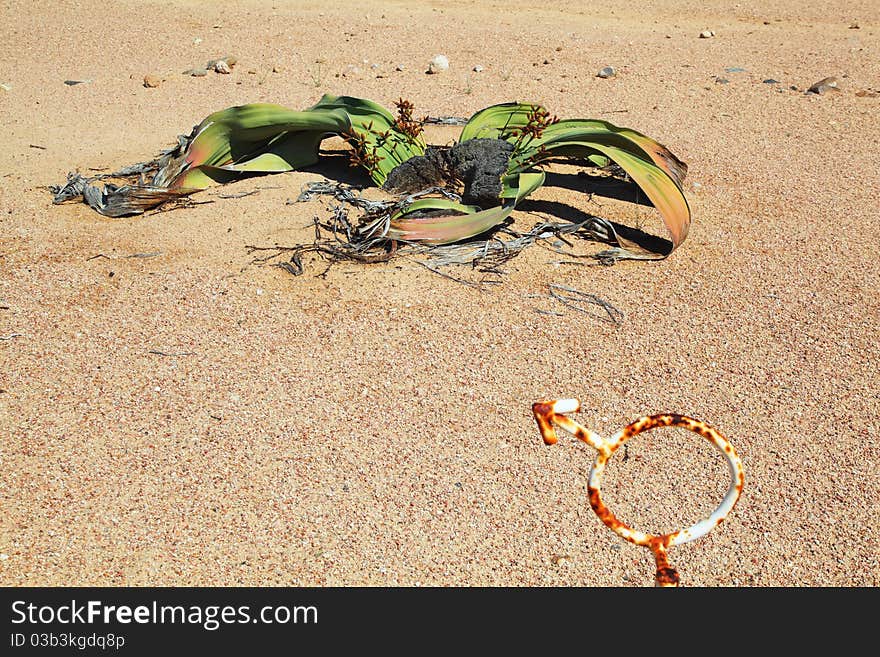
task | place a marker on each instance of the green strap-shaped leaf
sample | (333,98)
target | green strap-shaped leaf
(446,229)
(383,145)
(518,186)
(497,121)
(651,165)
(259,137)
(469,220)
(237,133)
(661,156)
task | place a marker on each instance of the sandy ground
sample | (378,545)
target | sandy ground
(373,426)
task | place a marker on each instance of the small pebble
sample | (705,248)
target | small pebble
(196,72)
(350,71)
(823,85)
(771,81)
(439,64)
(5,87)
(721,80)
(400,67)
(866,93)
(478,69)
(152,81)
(222,67)
(197,41)
(707,34)
(607,72)
(276,69)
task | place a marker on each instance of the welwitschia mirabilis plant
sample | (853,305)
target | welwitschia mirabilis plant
(267,138)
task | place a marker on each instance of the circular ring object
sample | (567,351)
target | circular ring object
(698,529)
(548,413)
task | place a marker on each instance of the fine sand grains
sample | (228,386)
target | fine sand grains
(192,418)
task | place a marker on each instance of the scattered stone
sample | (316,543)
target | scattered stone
(607,72)
(71,83)
(721,80)
(478,69)
(400,67)
(5,87)
(707,34)
(558,48)
(770,81)
(374,66)
(223,65)
(439,64)
(276,69)
(854,26)
(350,71)
(823,85)
(546,61)
(152,81)
(252,71)
(867,93)
(196,72)
(197,41)
(735,69)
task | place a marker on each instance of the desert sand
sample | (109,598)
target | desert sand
(173,413)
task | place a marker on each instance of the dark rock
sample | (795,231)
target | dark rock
(823,85)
